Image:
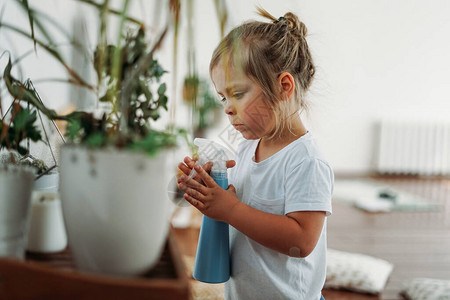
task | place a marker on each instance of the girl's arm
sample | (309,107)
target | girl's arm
(294,234)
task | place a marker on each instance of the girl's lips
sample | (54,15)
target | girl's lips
(239,126)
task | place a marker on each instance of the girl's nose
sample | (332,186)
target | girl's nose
(229,108)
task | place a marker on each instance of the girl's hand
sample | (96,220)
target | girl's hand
(210,199)
(189,163)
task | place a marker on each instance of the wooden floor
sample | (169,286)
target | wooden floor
(417,243)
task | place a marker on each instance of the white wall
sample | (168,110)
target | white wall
(374,58)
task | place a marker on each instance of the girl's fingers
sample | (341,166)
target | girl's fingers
(207,167)
(230,163)
(185,169)
(205,177)
(193,193)
(197,204)
(194,184)
(231,188)
(189,162)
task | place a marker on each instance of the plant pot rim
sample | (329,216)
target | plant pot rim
(17,169)
(115,150)
(52,172)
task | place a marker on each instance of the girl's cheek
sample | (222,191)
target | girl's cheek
(248,115)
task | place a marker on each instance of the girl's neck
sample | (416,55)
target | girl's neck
(288,135)
(268,147)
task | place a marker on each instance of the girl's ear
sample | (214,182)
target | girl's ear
(287,84)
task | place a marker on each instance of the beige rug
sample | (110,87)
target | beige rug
(201,290)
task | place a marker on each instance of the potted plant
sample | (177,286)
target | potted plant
(114,169)
(22,174)
(113,174)
(17,176)
(16,183)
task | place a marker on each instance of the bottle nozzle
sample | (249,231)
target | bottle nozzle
(220,162)
(211,151)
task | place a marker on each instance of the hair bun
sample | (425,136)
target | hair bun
(294,23)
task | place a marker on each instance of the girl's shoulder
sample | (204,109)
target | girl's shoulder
(304,151)
(246,146)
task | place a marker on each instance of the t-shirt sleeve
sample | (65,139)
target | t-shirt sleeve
(309,187)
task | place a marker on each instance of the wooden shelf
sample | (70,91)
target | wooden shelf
(53,276)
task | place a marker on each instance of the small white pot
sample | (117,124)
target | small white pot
(115,207)
(48,182)
(16,183)
(47,233)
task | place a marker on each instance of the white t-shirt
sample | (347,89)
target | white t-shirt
(296,178)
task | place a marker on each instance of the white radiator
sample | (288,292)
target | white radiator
(414,147)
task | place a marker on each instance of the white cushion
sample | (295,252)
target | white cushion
(426,289)
(356,272)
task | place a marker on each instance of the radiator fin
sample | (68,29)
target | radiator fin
(414,147)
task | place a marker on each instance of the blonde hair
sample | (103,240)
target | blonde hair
(264,51)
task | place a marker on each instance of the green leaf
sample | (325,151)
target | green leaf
(162,89)
(20,119)
(111,11)
(22,127)
(33,134)
(22,150)
(153,142)
(36,17)
(96,140)
(146,90)
(19,91)
(163,100)
(30,19)
(157,70)
(154,115)
(77,78)
(73,129)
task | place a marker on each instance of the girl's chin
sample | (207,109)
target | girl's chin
(248,135)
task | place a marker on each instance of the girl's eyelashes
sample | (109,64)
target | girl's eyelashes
(236,96)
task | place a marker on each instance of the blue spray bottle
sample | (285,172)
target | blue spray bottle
(212,262)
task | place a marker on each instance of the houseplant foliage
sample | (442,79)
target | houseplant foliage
(126,73)
(197,94)
(129,95)
(20,129)
(113,167)
(196,90)
(20,125)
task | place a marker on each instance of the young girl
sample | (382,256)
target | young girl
(281,185)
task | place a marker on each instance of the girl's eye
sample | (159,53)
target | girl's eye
(238,95)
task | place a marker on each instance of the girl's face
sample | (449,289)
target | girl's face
(244,101)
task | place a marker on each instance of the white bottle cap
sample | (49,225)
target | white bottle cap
(219,166)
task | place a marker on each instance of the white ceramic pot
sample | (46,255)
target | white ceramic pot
(115,208)
(48,182)
(47,233)
(16,183)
